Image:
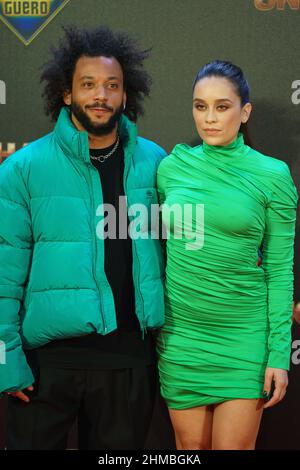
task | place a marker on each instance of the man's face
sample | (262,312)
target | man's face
(97,96)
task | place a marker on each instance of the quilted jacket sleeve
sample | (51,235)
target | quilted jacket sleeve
(15,258)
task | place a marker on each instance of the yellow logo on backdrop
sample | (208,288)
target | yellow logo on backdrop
(266,5)
(26,8)
(27,18)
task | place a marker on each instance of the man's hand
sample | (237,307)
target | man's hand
(21,395)
(296,312)
(280,379)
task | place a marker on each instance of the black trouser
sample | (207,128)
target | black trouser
(114,408)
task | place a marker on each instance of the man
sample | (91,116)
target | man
(75,305)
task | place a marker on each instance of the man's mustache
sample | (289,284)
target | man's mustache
(100,106)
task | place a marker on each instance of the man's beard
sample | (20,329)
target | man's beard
(90,126)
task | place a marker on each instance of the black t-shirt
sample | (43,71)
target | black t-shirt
(124,347)
(118,251)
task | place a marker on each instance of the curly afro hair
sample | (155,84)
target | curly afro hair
(58,72)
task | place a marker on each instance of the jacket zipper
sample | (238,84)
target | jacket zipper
(95,247)
(138,266)
(140,294)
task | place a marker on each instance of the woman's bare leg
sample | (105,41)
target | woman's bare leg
(192,427)
(236,424)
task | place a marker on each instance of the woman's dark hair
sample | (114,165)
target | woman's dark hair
(58,72)
(233,73)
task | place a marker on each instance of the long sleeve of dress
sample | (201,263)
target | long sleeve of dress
(278,255)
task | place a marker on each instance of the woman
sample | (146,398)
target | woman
(226,340)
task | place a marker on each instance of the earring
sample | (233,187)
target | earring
(124,106)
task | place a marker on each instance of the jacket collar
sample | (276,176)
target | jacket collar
(75,143)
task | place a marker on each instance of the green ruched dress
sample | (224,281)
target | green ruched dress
(227,319)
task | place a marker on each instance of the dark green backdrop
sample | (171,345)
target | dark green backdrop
(184,34)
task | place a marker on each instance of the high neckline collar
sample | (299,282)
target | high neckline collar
(75,143)
(237,149)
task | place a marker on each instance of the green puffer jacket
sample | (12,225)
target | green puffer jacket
(52,278)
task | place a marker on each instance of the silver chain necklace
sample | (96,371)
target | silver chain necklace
(103,158)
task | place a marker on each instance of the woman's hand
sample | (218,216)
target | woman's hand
(280,379)
(296,312)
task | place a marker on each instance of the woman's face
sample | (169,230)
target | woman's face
(217,110)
